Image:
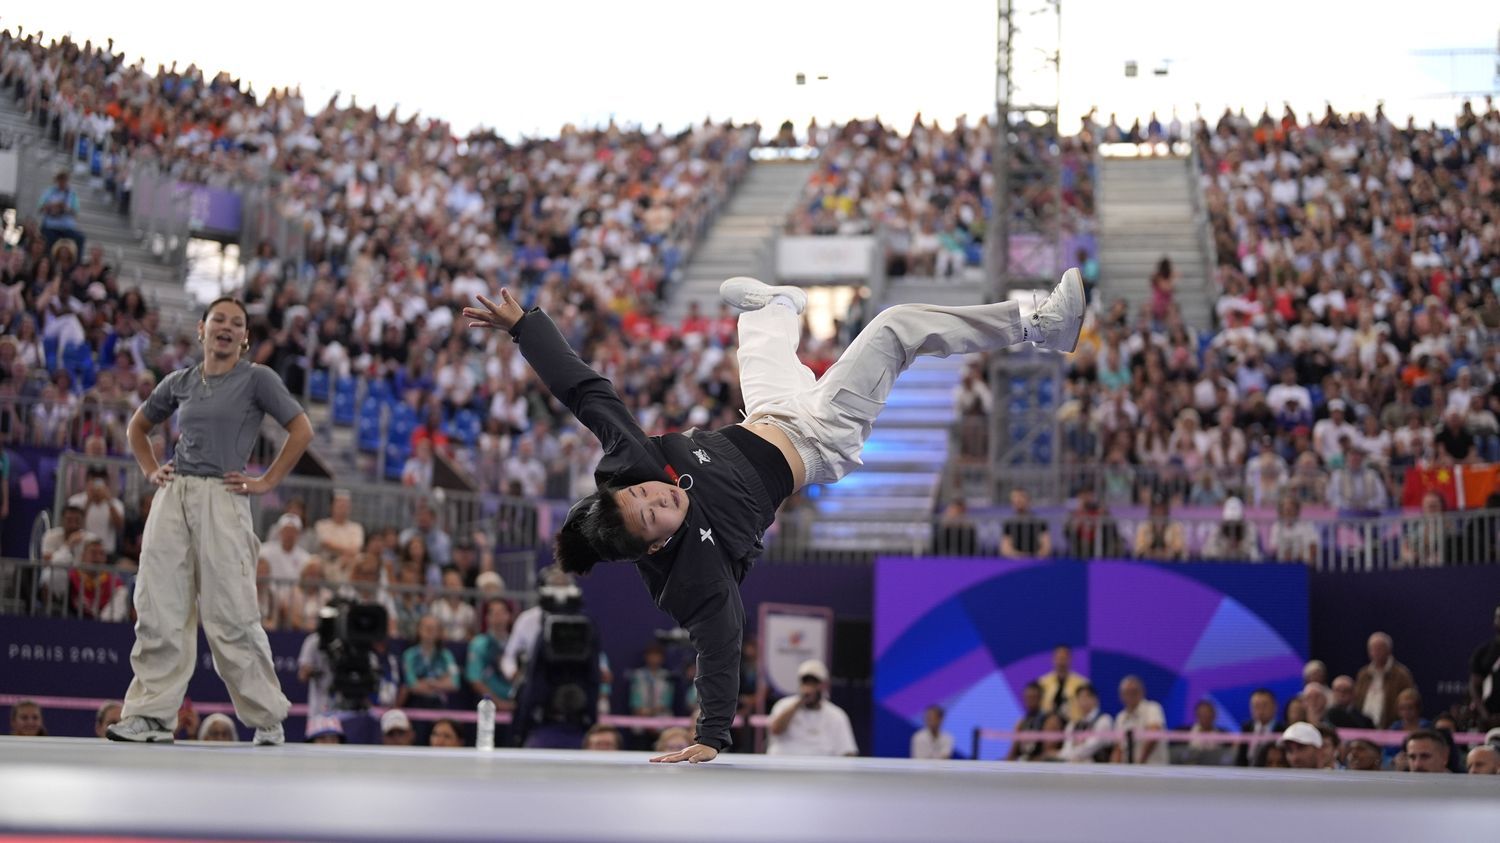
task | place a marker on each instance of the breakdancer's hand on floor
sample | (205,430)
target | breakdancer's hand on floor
(695,754)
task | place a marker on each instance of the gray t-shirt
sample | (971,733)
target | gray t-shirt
(218,423)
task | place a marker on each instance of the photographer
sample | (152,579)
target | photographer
(808,723)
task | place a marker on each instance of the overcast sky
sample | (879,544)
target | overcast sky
(531,67)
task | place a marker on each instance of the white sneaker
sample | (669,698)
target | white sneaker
(747,293)
(138,729)
(274,736)
(1057,321)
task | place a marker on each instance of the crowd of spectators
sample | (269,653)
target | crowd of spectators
(929,192)
(1304,733)
(1356,319)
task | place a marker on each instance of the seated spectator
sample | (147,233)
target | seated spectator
(445,734)
(954,534)
(482,664)
(452,612)
(395,728)
(1051,749)
(1262,722)
(428,670)
(807,723)
(417,472)
(1330,434)
(1160,538)
(410,596)
(1081,745)
(931,742)
(1032,718)
(1426,752)
(437,542)
(1139,715)
(26,720)
(602,738)
(1356,487)
(675,739)
(325,729)
(308,598)
(107,715)
(1205,751)
(1483,760)
(1363,755)
(1293,539)
(364,587)
(1091,532)
(1302,743)
(1265,474)
(1342,713)
(1409,712)
(339,537)
(651,689)
(1024,535)
(284,553)
(1425,540)
(218,728)
(96,591)
(103,511)
(59,212)
(1233,540)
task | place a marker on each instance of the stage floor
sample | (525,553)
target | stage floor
(63,786)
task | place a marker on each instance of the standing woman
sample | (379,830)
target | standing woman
(199,549)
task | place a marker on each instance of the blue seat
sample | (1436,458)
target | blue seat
(343,402)
(380,388)
(317,385)
(49,350)
(367,437)
(466,426)
(396,454)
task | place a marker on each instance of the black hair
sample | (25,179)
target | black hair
(595,532)
(1267,691)
(1088,688)
(1433,735)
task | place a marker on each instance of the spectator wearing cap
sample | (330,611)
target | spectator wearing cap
(218,728)
(1292,539)
(1355,487)
(1381,681)
(807,723)
(395,728)
(931,742)
(1483,760)
(325,729)
(283,551)
(107,715)
(1426,751)
(1234,539)
(1330,434)
(490,585)
(1082,745)
(1302,743)
(1160,538)
(103,511)
(339,536)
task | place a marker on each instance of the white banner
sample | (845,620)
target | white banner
(825,258)
(790,635)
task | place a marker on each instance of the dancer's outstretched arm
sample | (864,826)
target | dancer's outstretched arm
(588,395)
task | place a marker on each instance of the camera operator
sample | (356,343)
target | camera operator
(557,701)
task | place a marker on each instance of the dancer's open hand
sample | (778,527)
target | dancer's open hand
(695,754)
(503,316)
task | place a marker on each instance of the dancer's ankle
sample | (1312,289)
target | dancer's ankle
(784,301)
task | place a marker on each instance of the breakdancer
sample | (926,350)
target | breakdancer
(690,508)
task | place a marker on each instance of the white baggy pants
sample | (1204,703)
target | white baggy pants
(829,419)
(198,558)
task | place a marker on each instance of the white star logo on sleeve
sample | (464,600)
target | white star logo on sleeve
(702,456)
(707,536)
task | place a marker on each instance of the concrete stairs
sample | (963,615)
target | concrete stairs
(1147,210)
(161,284)
(740,241)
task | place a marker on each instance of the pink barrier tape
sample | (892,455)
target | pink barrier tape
(620,721)
(1381,737)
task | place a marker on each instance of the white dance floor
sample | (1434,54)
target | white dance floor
(78,788)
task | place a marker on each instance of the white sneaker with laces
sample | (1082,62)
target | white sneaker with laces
(274,736)
(748,293)
(138,729)
(1059,318)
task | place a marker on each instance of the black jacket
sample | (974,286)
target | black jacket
(695,577)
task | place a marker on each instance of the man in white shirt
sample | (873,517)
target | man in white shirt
(931,741)
(103,513)
(1140,715)
(1082,744)
(339,536)
(807,723)
(283,552)
(1329,433)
